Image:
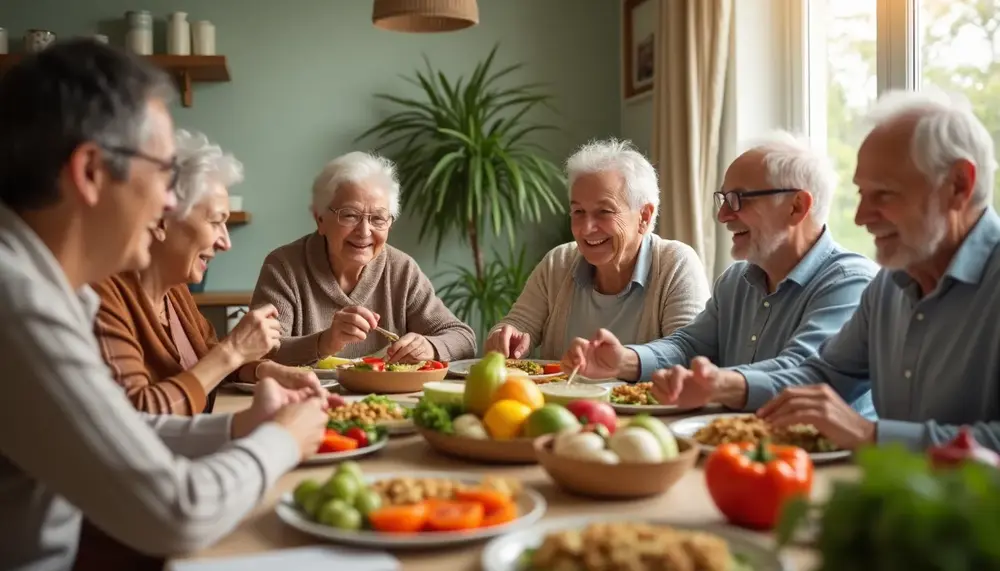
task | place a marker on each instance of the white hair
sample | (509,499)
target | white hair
(200,163)
(355,167)
(641,185)
(946,131)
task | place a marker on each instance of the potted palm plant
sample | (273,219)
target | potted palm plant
(466,160)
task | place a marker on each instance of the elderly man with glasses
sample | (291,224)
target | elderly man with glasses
(334,287)
(794,289)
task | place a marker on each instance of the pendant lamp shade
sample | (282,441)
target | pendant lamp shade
(425,16)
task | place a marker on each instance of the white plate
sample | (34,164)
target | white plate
(461,368)
(651,409)
(248,387)
(530,504)
(332,457)
(688,426)
(504,553)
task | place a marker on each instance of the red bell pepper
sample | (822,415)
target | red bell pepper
(551,369)
(750,483)
(336,442)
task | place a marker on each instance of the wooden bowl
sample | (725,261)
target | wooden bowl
(515,451)
(615,481)
(387,382)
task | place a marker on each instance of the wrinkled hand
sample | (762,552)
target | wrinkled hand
(291,377)
(257,332)
(597,358)
(509,341)
(820,406)
(686,388)
(411,348)
(269,397)
(350,325)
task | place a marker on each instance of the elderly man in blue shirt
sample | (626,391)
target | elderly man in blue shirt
(927,329)
(795,289)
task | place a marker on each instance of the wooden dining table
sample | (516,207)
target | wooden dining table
(687,501)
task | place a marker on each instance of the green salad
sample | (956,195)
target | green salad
(438,417)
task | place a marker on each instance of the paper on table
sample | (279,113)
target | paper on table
(312,558)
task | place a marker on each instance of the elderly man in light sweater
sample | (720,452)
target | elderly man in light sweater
(794,288)
(87,168)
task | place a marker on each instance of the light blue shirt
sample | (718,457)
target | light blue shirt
(749,330)
(933,361)
(616,312)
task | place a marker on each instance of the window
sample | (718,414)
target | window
(859,48)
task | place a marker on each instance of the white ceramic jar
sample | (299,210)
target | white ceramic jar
(178,35)
(203,38)
(139,38)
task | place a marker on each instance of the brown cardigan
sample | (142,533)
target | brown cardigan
(141,353)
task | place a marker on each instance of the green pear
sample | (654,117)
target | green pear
(483,380)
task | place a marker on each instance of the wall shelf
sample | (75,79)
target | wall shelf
(239,218)
(185,70)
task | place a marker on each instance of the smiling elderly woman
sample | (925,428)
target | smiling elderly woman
(159,347)
(334,286)
(617,274)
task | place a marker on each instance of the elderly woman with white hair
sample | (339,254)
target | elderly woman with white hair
(617,274)
(158,345)
(334,286)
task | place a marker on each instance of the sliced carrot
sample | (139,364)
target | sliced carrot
(491,499)
(455,516)
(335,442)
(399,519)
(501,515)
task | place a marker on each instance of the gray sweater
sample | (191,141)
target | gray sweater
(70,440)
(297,279)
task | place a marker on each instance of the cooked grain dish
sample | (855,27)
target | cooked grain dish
(751,428)
(631,546)
(530,367)
(369,413)
(637,394)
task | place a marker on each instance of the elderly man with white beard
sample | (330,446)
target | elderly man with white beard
(794,289)
(927,329)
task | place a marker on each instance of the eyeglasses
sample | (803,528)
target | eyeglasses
(734,198)
(170,165)
(350,217)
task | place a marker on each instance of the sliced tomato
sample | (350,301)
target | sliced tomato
(358,434)
(378,366)
(372,360)
(399,519)
(446,515)
(432,365)
(501,515)
(336,442)
(551,369)
(491,499)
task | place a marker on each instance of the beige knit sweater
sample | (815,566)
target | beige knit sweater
(297,279)
(676,292)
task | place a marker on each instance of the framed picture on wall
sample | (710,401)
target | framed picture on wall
(638,46)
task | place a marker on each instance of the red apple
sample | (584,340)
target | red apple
(594,412)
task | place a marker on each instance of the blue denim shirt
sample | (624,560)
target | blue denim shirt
(932,361)
(749,330)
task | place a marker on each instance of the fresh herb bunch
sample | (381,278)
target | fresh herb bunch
(904,515)
(435,416)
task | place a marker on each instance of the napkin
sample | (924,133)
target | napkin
(311,558)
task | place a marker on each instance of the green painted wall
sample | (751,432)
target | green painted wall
(304,72)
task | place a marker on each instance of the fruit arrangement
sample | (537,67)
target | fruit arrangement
(405,505)
(642,440)
(498,405)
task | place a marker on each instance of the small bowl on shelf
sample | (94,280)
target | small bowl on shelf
(626,480)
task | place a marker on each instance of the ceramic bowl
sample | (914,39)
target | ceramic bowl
(387,382)
(615,481)
(514,451)
(562,394)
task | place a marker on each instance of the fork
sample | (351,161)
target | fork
(388,334)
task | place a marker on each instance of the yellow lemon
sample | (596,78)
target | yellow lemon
(504,419)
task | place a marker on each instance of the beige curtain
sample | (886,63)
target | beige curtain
(692,55)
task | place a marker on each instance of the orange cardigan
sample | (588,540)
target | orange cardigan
(141,353)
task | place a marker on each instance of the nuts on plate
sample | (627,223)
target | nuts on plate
(402,491)
(751,428)
(371,410)
(635,394)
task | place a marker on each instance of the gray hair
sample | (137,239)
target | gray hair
(792,161)
(355,167)
(72,92)
(946,131)
(641,184)
(201,163)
